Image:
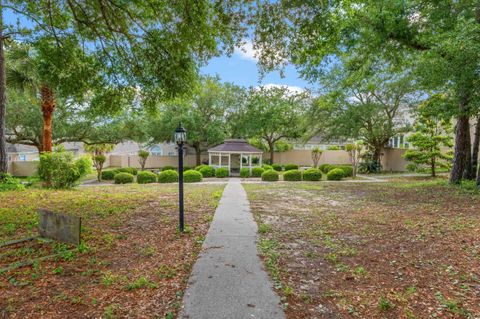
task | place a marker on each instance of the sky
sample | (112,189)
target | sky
(241,69)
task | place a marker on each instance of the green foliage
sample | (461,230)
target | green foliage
(335,174)
(292,175)
(222,172)
(192,177)
(129,170)
(267,167)
(123,178)
(207,171)
(277,167)
(245,172)
(347,170)
(316,155)
(9,183)
(257,171)
(324,168)
(187,168)
(199,167)
(168,176)
(145,177)
(58,169)
(333,148)
(312,174)
(143,154)
(289,167)
(369,165)
(270,176)
(109,175)
(431,135)
(169,168)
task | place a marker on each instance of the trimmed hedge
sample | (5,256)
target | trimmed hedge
(312,174)
(290,167)
(146,177)
(292,175)
(192,177)
(207,171)
(245,172)
(347,170)
(129,170)
(335,174)
(222,172)
(199,167)
(123,178)
(267,167)
(169,168)
(324,168)
(187,168)
(257,172)
(109,175)
(277,167)
(168,176)
(270,176)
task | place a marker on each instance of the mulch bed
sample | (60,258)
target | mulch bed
(409,249)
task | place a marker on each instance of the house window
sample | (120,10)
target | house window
(22,157)
(156,150)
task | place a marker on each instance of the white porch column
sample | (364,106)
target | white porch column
(209,159)
(241,161)
(229,159)
(219,159)
(261,156)
(250,162)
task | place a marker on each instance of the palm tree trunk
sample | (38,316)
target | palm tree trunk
(3,101)
(48,106)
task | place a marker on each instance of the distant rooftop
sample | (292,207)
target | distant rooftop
(235,146)
(20,148)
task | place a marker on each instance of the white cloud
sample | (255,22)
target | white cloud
(246,51)
(291,88)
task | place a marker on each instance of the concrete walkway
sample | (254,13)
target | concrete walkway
(228,280)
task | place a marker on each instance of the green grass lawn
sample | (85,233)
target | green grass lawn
(407,248)
(132,261)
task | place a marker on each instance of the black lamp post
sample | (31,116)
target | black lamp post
(180,139)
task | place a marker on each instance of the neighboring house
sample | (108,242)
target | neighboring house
(21,153)
(316,141)
(160,149)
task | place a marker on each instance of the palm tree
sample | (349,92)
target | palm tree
(23,73)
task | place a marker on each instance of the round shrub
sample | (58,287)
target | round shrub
(267,167)
(335,174)
(277,167)
(312,174)
(222,172)
(347,170)
(324,168)
(129,170)
(290,167)
(168,176)
(245,172)
(192,177)
(109,175)
(123,178)
(145,177)
(257,171)
(169,168)
(199,167)
(292,175)
(207,171)
(270,176)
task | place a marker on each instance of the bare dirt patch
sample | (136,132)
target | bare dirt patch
(403,249)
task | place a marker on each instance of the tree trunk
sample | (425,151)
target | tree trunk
(468,171)
(198,154)
(48,106)
(476,144)
(3,101)
(460,155)
(432,164)
(272,151)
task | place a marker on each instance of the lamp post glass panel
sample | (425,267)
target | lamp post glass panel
(180,138)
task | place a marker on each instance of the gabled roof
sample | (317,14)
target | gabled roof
(20,148)
(235,146)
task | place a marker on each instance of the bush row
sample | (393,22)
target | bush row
(167,176)
(347,169)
